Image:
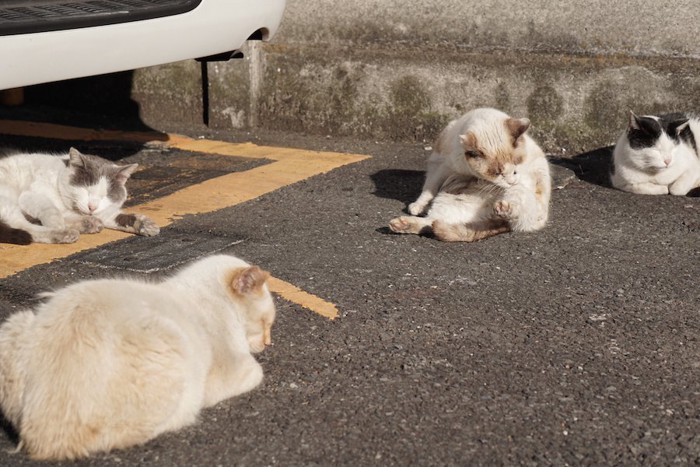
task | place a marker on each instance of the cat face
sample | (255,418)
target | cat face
(94,184)
(259,326)
(655,140)
(248,284)
(495,155)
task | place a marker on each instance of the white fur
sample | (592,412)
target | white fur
(448,159)
(110,363)
(459,194)
(37,186)
(665,168)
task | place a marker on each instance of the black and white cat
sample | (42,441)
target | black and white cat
(48,198)
(658,155)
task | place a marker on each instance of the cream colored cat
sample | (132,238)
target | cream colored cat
(485,176)
(111,363)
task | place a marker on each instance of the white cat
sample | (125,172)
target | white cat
(485,176)
(111,363)
(53,199)
(657,155)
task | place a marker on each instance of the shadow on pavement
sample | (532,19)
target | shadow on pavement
(97,102)
(399,184)
(592,166)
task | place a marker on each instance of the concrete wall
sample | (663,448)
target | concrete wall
(400,69)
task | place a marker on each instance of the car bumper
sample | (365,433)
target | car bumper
(215,26)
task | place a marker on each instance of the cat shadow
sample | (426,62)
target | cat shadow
(399,184)
(103,102)
(592,166)
(9,430)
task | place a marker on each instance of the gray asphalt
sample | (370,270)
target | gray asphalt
(574,345)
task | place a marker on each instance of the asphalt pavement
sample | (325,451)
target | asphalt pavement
(576,345)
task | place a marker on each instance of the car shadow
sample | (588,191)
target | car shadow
(98,102)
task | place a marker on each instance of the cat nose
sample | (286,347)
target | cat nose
(92,207)
(667,161)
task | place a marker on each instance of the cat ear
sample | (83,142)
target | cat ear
(76,158)
(468,140)
(633,121)
(681,127)
(247,280)
(517,126)
(124,172)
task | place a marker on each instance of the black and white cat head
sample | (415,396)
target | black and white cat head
(656,138)
(95,184)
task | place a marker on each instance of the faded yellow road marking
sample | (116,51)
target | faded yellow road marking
(288,166)
(296,295)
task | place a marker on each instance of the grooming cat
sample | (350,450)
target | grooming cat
(485,176)
(658,155)
(106,364)
(53,199)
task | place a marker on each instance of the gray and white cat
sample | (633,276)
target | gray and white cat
(111,363)
(485,176)
(49,198)
(658,155)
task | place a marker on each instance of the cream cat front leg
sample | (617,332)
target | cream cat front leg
(523,209)
(240,374)
(435,176)
(521,215)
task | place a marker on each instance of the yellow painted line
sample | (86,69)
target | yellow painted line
(288,166)
(295,295)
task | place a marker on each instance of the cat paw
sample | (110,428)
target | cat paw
(504,209)
(65,236)
(400,224)
(416,208)
(679,190)
(90,225)
(146,226)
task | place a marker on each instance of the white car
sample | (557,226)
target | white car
(51,40)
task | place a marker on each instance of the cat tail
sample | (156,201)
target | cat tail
(15,236)
(13,333)
(468,232)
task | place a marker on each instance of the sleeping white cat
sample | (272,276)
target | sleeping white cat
(111,363)
(50,198)
(657,155)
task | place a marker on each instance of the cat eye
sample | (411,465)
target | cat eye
(472,153)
